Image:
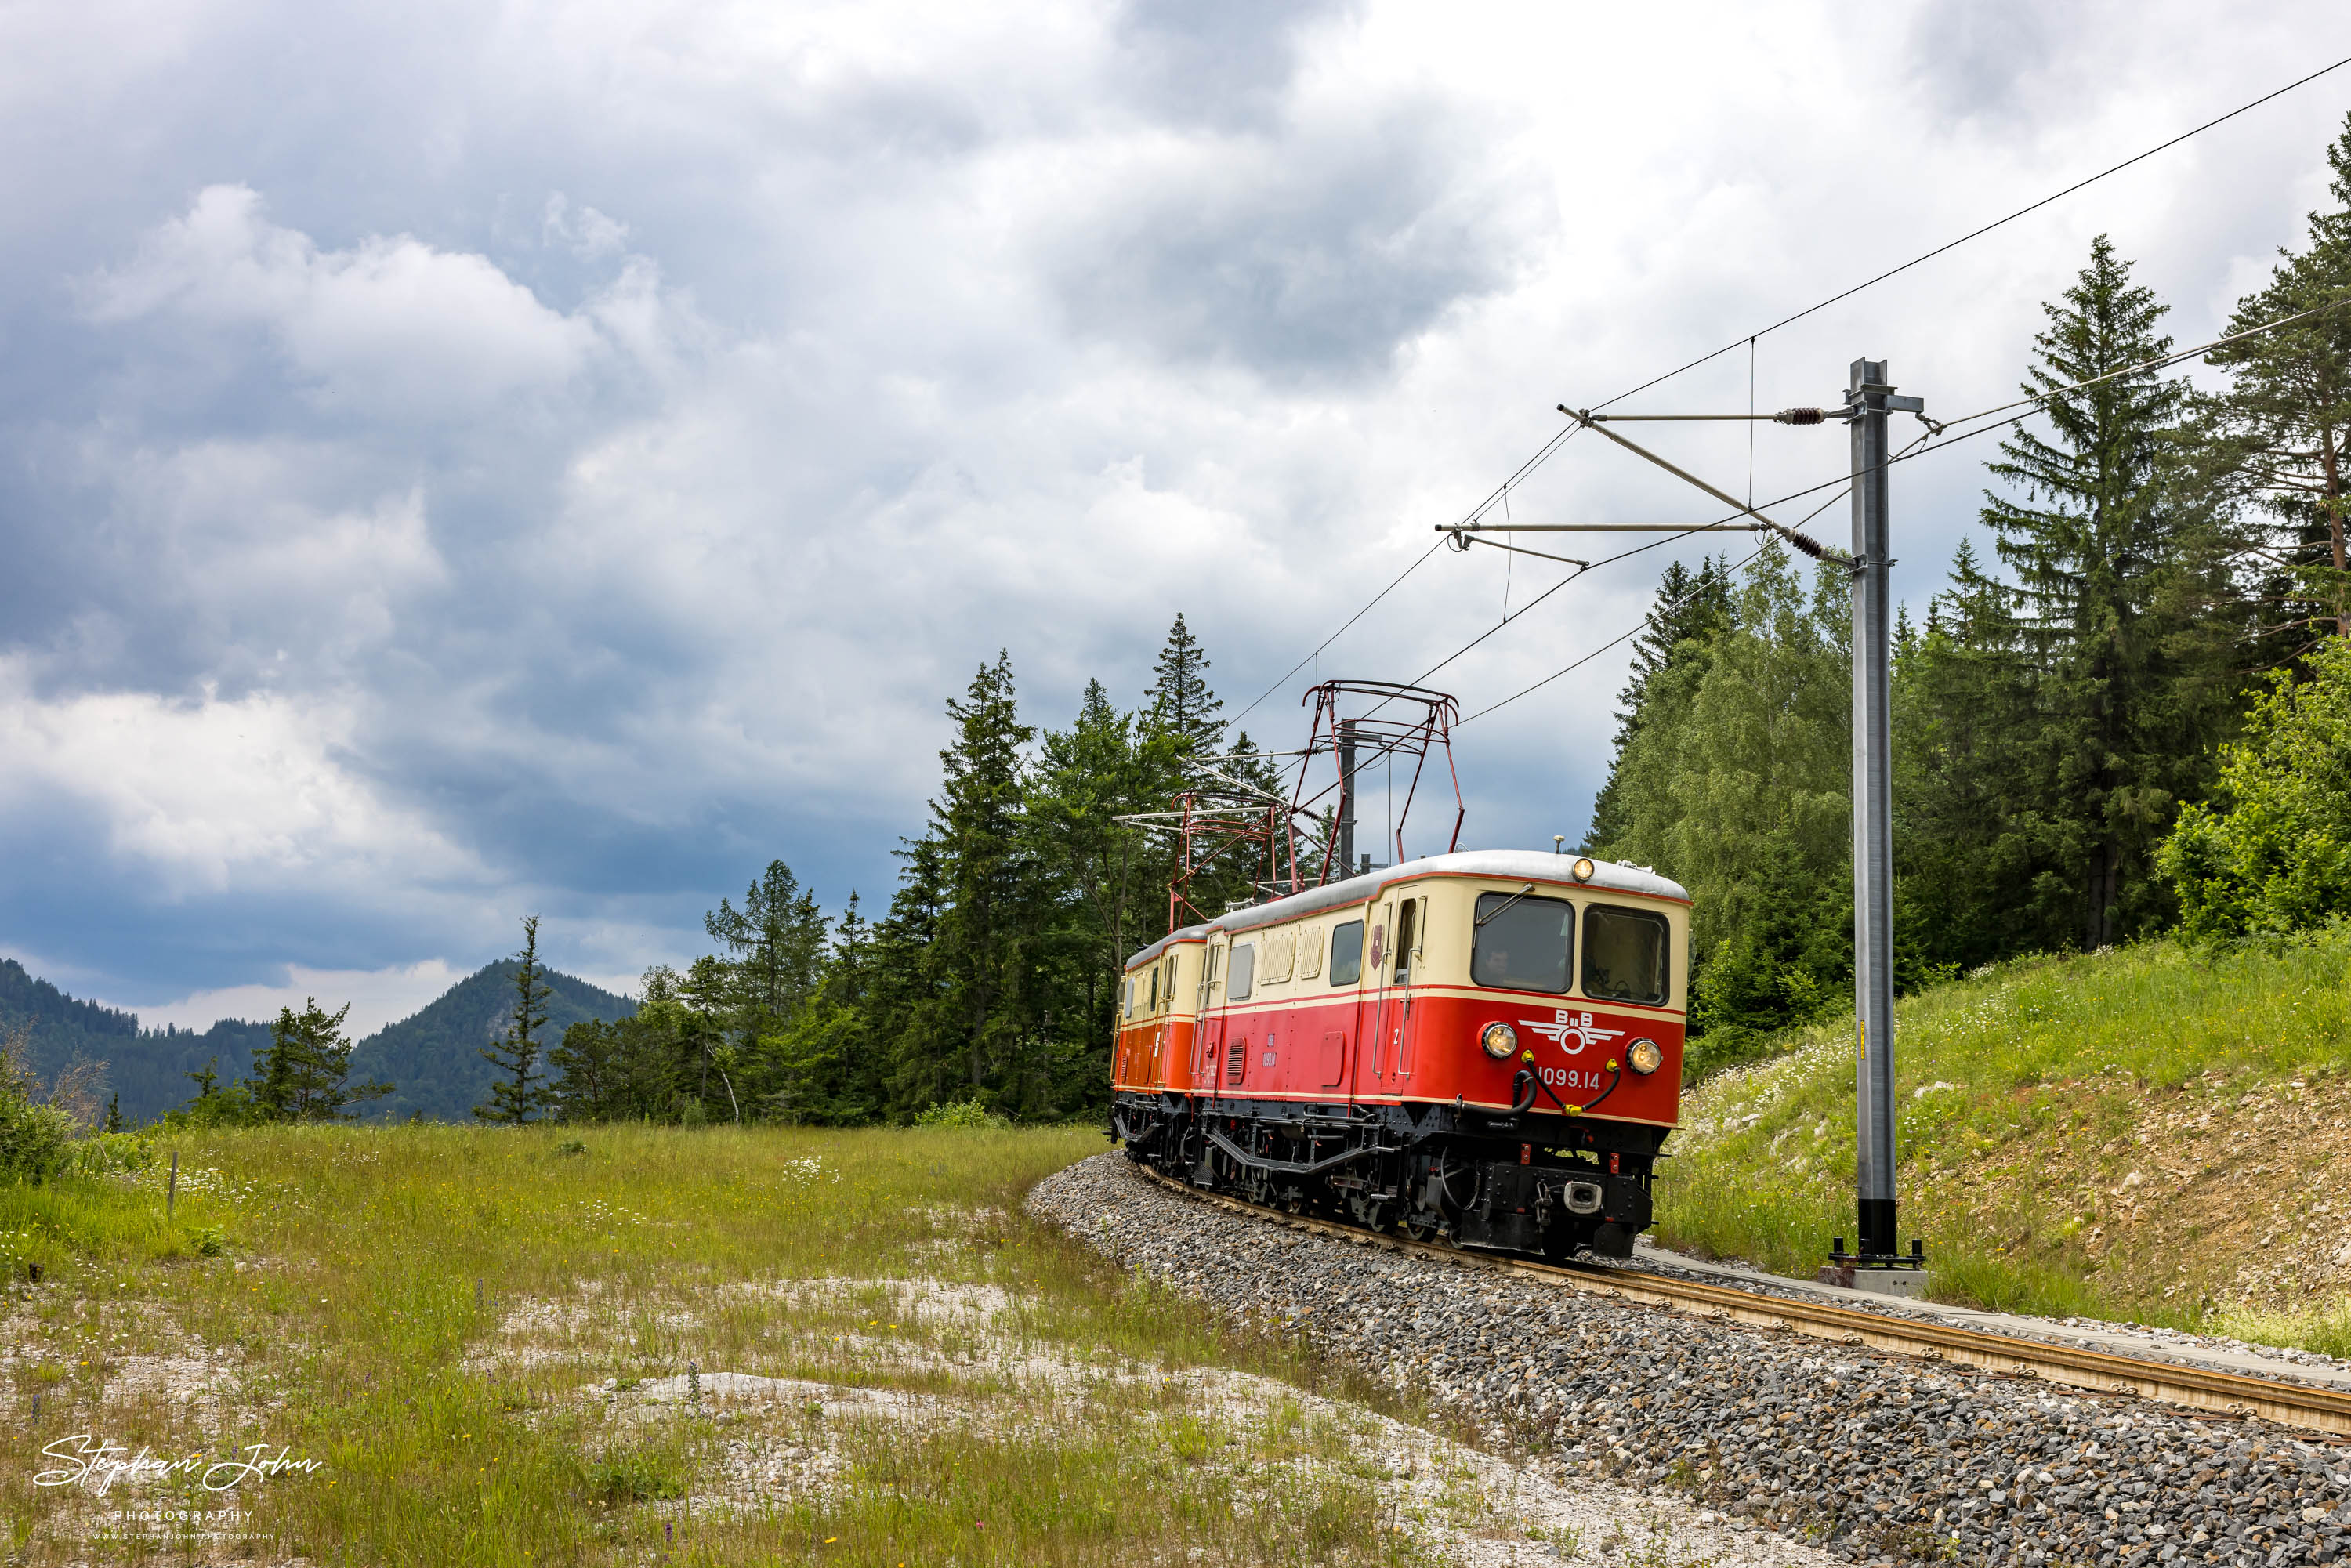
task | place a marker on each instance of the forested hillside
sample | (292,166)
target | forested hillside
(60,1027)
(433,1058)
(147,1068)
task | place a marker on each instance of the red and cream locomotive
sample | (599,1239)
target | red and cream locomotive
(1483,1046)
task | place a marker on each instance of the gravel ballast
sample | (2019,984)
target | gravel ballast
(1873,1456)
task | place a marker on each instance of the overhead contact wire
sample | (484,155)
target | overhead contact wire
(1980,233)
(1543,454)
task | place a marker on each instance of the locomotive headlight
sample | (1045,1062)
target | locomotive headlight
(1644,1057)
(1584,869)
(1499,1040)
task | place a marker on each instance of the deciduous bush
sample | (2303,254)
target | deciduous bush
(35,1141)
(2274,855)
(969,1113)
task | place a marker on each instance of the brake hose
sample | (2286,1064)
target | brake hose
(1522,1091)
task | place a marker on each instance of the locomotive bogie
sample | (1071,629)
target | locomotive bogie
(1483,1046)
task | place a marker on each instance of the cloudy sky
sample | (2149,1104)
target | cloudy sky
(461,460)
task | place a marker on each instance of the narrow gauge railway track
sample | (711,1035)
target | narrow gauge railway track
(2311,1408)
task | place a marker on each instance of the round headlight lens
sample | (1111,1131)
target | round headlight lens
(1499,1040)
(1644,1057)
(1584,870)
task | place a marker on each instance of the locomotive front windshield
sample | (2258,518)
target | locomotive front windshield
(1522,942)
(1624,954)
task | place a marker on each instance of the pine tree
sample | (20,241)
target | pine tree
(776,946)
(2279,438)
(305,1073)
(114,1113)
(988,929)
(1690,609)
(1181,705)
(776,943)
(908,1000)
(1109,877)
(2102,561)
(1971,780)
(524,1095)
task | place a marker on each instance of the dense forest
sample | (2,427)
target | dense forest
(145,1069)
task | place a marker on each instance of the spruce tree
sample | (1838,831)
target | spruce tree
(2102,558)
(1109,877)
(988,929)
(1689,608)
(907,1001)
(858,1086)
(1971,780)
(305,1073)
(524,1093)
(777,946)
(1180,704)
(2278,441)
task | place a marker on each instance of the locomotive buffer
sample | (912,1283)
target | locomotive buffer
(1877,1263)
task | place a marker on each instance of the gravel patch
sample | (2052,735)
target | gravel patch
(1876,1457)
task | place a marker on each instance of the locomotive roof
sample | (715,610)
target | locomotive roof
(1527,865)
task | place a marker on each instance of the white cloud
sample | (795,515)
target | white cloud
(391,327)
(210,795)
(377,996)
(587,233)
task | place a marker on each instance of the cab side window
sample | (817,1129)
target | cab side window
(1243,976)
(1624,954)
(1347,953)
(1407,936)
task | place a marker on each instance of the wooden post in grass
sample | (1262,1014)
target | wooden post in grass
(171,1187)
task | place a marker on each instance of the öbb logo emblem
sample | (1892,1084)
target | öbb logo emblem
(1571,1032)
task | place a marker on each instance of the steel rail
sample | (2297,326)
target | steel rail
(2304,1406)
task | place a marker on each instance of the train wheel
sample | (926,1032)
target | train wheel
(1417,1230)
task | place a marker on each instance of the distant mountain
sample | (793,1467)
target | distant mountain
(148,1068)
(431,1060)
(434,1059)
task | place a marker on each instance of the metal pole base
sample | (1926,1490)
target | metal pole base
(1877,1231)
(1877,1268)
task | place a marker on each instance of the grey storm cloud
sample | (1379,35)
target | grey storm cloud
(1224,63)
(1311,255)
(463,460)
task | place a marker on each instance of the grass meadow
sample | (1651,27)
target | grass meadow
(636,1345)
(2152,1132)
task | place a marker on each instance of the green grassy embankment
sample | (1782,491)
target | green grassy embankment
(2152,1132)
